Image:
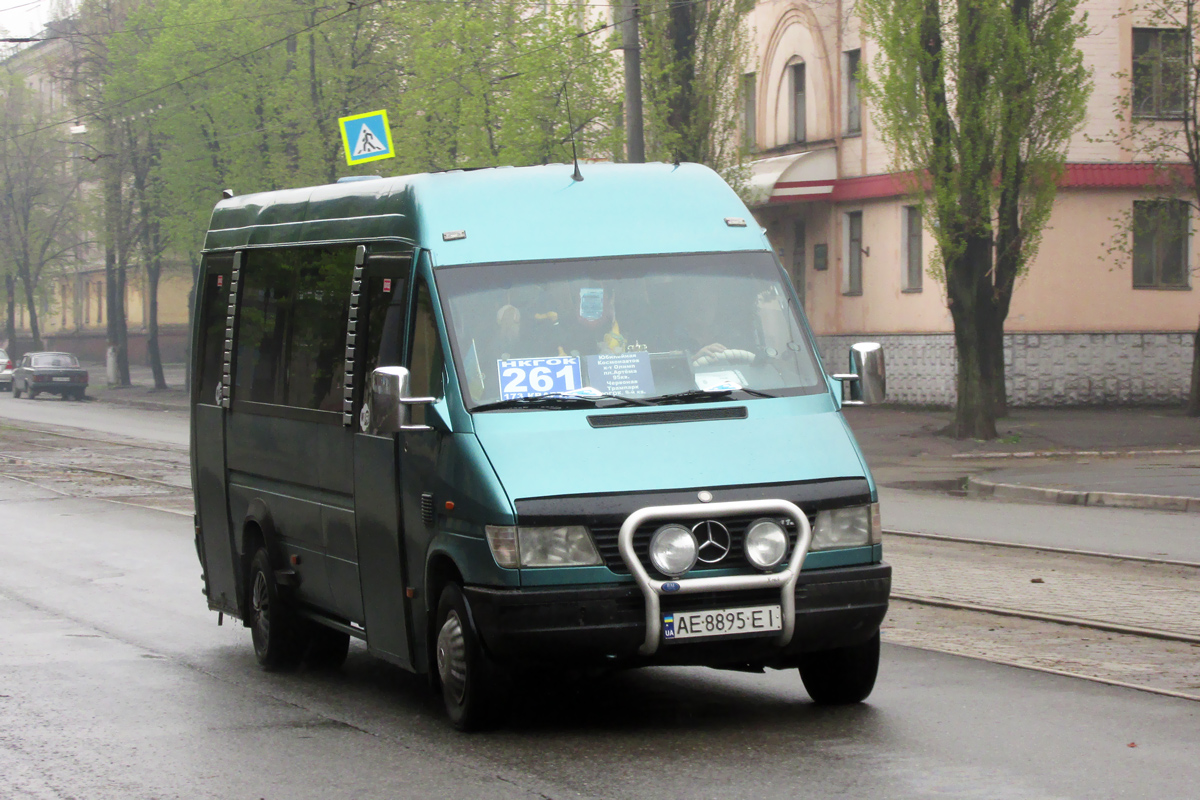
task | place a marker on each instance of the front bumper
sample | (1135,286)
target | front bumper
(606,625)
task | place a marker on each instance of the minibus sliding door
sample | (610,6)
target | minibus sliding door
(378,320)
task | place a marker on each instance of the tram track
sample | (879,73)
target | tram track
(1044,548)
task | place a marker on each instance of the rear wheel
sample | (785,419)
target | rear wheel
(279,638)
(474,688)
(842,676)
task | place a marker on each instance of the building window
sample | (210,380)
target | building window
(749,94)
(913,254)
(1160,237)
(854,253)
(1159,73)
(853,100)
(799,104)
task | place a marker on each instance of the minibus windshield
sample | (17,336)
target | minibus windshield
(661,329)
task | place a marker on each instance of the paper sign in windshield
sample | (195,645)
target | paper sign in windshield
(625,375)
(532,377)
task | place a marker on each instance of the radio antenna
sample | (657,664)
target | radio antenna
(576,175)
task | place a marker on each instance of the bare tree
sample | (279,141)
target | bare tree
(38,195)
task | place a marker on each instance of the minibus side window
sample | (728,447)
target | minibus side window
(317,334)
(426,363)
(292,327)
(267,278)
(215,308)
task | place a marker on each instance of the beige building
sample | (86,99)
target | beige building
(1086,325)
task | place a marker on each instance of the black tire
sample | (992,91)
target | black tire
(327,648)
(474,688)
(279,637)
(842,676)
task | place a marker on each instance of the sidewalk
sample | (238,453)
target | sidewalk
(1134,457)
(142,393)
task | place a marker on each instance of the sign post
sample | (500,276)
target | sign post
(366,137)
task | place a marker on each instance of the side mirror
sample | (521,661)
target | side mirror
(868,380)
(385,410)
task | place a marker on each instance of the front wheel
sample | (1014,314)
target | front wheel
(474,688)
(842,676)
(278,636)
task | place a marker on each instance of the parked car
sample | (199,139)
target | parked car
(52,373)
(6,372)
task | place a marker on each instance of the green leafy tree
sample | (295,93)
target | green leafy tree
(693,56)
(216,94)
(977,100)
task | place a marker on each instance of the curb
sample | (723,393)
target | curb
(1010,491)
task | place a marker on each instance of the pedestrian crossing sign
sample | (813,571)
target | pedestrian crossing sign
(366,137)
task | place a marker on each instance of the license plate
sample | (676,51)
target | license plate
(61,380)
(722,622)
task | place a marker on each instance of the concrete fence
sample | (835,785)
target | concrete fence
(1042,369)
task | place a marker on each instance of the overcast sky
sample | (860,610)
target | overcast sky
(25,17)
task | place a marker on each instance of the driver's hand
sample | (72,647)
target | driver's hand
(711,350)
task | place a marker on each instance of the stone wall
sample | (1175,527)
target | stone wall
(1043,369)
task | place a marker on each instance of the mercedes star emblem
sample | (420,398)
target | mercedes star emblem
(713,540)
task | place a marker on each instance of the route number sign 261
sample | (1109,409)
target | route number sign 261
(530,377)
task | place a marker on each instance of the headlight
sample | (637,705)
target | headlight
(846,527)
(556,546)
(766,543)
(673,550)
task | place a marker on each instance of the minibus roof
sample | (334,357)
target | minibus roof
(505,213)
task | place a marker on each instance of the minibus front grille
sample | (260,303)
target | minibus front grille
(605,536)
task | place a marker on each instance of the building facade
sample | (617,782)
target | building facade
(1087,324)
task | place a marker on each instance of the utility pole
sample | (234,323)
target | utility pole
(634,141)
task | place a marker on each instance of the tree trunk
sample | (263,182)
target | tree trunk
(973,313)
(994,348)
(10,316)
(153,270)
(1193,406)
(117,362)
(35,332)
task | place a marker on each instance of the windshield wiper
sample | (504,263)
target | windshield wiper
(694,395)
(562,401)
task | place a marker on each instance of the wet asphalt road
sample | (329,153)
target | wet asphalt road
(115,682)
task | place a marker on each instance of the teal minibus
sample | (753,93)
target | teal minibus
(506,419)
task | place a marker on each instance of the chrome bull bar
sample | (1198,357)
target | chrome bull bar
(652,589)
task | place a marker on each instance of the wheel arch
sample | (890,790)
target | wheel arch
(440,569)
